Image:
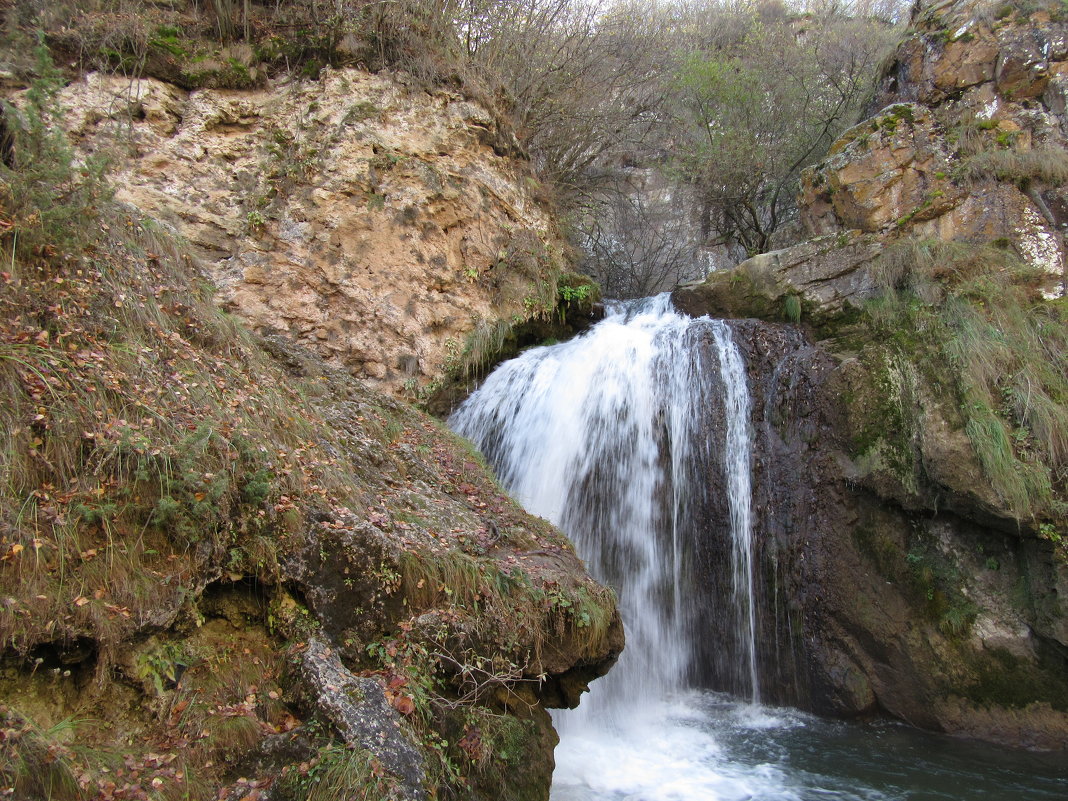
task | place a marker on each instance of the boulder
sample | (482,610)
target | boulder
(360,712)
(887,171)
(826,276)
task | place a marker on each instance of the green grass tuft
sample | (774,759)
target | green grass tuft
(971,317)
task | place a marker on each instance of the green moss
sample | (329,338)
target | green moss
(882,414)
(902,111)
(980,337)
(168,38)
(1002,679)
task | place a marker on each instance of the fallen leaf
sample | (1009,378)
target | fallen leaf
(404,704)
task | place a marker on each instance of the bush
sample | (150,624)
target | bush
(47,199)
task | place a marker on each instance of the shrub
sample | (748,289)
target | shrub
(47,200)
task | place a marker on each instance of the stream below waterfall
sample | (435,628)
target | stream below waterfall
(612,436)
(710,747)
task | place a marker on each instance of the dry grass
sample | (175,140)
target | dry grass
(1000,347)
(34,762)
(1048,166)
(338,773)
(144,432)
(228,44)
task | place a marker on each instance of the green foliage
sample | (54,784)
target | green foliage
(161,664)
(759,82)
(575,294)
(1048,531)
(255,220)
(48,201)
(792,308)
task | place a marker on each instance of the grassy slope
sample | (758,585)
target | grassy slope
(970,320)
(173,494)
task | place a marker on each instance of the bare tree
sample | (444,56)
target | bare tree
(577,77)
(637,243)
(754,108)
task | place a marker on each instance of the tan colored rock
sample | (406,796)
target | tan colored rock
(892,168)
(1023,68)
(1037,726)
(1000,211)
(964,62)
(374,222)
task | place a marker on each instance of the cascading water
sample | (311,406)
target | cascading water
(606,436)
(635,439)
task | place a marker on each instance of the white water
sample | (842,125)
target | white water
(605,436)
(612,436)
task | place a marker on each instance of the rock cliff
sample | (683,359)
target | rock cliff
(966,142)
(378,223)
(910,498)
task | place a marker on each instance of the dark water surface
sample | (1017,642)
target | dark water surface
(707,747)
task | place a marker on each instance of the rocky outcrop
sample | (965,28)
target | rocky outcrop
(892,578)
(826,276)
(899,574)
(261,572)
(359,710)
(376,222)
(890,170)
(967,142)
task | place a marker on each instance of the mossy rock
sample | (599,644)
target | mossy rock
(823,283)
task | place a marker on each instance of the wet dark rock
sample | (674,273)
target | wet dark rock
(893,585)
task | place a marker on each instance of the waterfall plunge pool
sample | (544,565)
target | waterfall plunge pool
(711,747)
(608,437)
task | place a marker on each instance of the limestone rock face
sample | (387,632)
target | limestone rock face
(826,275)
(373,221)
(890,169)
(993,76)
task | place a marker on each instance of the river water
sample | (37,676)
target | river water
(606,436)
(710,747)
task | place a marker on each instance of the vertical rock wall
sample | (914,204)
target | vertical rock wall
(373,220)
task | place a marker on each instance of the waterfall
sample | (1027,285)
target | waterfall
(738,460)
(610,436)
(635,439)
